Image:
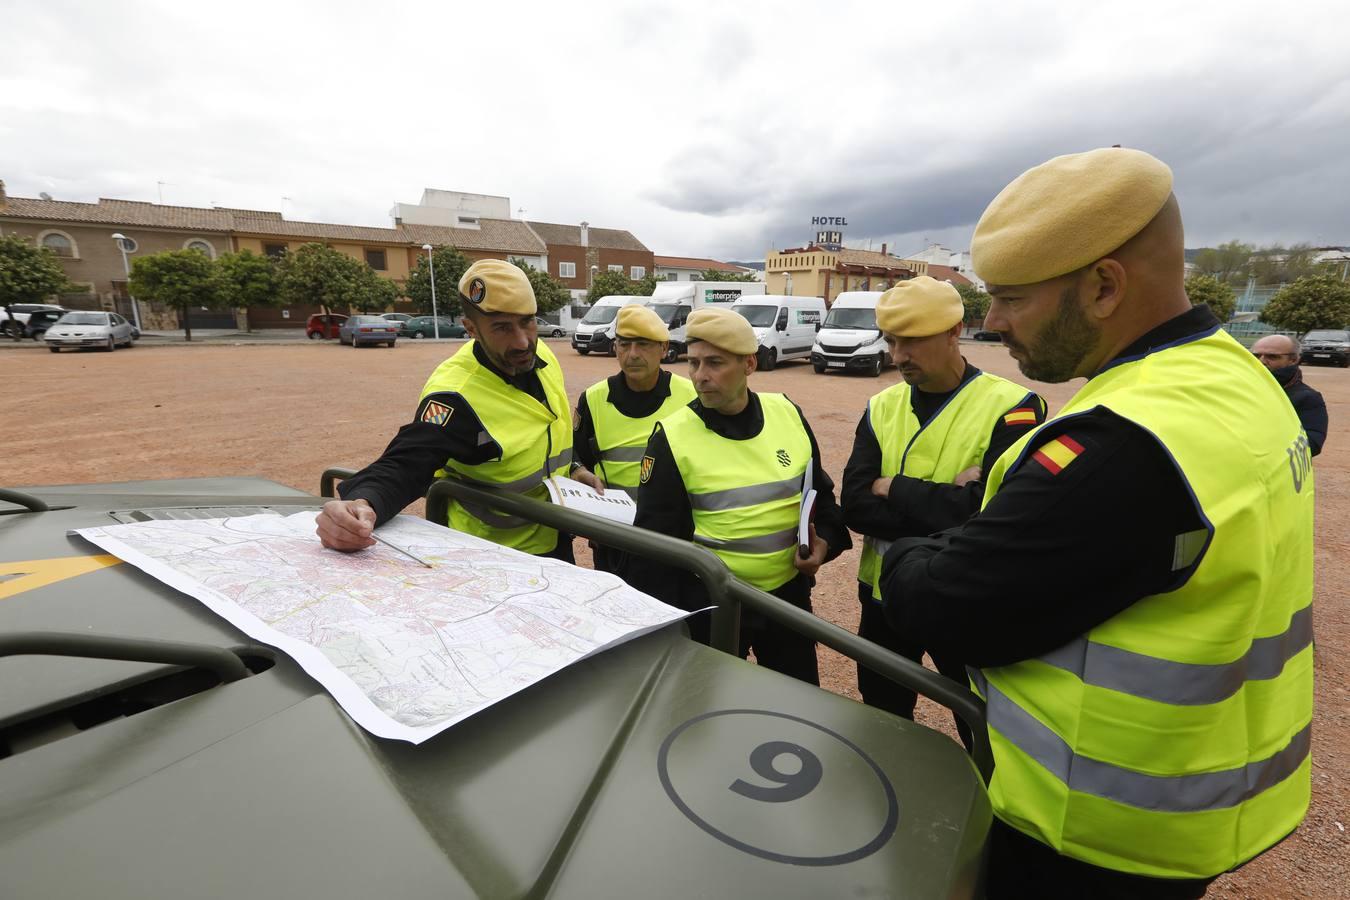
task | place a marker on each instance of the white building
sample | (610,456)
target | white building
(938,255)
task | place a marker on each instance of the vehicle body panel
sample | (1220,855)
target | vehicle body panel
(89,329)
(360,330)
(849,339)
(785,326)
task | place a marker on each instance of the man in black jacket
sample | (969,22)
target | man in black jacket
(1280,354)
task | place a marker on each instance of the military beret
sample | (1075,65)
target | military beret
(722,328)
(919,307)
(497,286)
(641,322)
(1067,213)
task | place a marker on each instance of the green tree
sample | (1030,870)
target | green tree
(1317,301)
(1227,262)
(609,284)
(28,274)
(315,275)
(245,279)
(179,279)
(549,293)
(1218,294)
(1277,264)
(450,265)
(975,301)
(644,286)
(719,275)
(374,291)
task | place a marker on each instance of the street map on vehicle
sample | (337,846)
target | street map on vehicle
(406,650)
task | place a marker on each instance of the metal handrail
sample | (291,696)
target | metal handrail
(28,501)
(725,591)
(223,663)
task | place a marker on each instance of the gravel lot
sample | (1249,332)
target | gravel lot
(286,412)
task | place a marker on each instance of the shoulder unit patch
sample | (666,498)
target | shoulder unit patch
(436,413)
(645,472)
(1023,415)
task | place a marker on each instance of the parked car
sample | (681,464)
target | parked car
(548,329)
(324,327)
(41,320)
(425,327)
(400,318)
(987,336)
(359,330)
(1327,346)
(89,329)
(15,322)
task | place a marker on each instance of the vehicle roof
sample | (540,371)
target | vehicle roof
(855,299)
(607,779)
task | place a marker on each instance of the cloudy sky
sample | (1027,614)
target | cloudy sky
(706,128)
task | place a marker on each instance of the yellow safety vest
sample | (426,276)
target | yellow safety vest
(536,443)
(622,440)
(953,439)
(746,495)
(1172,740)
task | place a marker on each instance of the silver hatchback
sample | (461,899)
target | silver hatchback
(102,330)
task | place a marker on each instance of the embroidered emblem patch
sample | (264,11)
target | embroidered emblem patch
(1023,415)
(437,413)
(1057,454)
(477,291)
(783,459)
(646,471)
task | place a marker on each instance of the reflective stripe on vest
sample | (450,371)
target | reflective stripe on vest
(622,440)
(745,494)
(1172,740)
(953,439)
(536,443)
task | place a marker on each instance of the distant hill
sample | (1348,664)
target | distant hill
(758,265)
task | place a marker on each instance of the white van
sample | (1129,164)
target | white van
(785,326)
(850,340)
(595,331)
(674,301)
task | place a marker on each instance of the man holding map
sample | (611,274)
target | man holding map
(615,417)
(729,472)
(496,413)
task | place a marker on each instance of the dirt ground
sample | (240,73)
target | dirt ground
(287,412)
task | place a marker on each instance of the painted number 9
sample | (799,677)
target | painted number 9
(789,787)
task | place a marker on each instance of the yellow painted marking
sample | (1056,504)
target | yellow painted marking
(36,573)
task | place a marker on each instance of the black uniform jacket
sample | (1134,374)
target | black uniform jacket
(1308,404)
(1055,553)
(408,465)
(916,507)
(663,506)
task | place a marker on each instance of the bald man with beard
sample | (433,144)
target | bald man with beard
(1134,598)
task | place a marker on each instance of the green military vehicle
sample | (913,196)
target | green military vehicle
(150,749)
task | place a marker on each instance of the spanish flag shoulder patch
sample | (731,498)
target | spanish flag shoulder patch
(1056,454)
(1023,415)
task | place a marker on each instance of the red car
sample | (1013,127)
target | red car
(324,326)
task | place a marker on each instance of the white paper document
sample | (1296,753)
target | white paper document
(613,504)
(406,650)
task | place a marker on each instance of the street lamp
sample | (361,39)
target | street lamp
(435,319)
(126,266)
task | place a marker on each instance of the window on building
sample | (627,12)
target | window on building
(567,270)
(274,250)
(201,246)
(376,260)
(615,268)
(130,245)
(59,243)
(637,273)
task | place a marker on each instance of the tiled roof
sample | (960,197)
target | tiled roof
(119,212)
(874,259)
(506,235)
(602,238)
(500,235)
(697,262)
(947,273)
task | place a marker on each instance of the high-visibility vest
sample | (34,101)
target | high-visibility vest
(1172,740)
(746,495)
(953,439)
(622,440)
(536,443)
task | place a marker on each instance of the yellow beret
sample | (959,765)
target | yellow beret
(1067,213)
(722,328)
(641,322)
(919,307)
(497,286)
